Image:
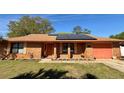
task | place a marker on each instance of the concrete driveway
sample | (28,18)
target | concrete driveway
(115,64)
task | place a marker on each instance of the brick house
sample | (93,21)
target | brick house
(3,47)
(67,46)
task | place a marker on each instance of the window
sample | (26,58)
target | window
(72,48)
(17,48)
(65,48)
(89,45)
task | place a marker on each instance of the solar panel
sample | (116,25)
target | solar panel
(74,37)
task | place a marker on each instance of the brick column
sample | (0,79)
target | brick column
(25,46)
(89,50)
(45,49)
(69,51)
(75,47)
(41,49)
(60,48)
(55,51)
(8,47)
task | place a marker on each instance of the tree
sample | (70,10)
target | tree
(118,36)
(86,31)
(79,30)
(1,38)
(29,25)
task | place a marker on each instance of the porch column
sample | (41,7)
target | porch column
(69,51)
(75,48)
(8,47)
(55,51)
(25,46)
(60,48)
(45,49)
(41,49)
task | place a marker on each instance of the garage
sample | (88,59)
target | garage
(102,50)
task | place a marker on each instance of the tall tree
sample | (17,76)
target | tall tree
(29,25)
(118,36)
(79,30)
(1,37)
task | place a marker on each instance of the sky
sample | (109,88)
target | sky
(102,25)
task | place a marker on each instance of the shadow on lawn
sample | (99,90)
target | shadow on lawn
(43,74)
(50,74)
(88,76)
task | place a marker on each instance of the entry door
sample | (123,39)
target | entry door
(47,50)
(122,50)
(50,48)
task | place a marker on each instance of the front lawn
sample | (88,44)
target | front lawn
(34,70)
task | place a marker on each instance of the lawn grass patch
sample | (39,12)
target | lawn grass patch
(33,69)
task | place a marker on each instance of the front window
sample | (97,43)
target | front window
(72,48)
(65,48)
(17,48)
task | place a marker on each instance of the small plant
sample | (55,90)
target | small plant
(31,55)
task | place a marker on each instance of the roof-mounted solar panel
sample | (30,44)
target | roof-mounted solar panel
(74,37)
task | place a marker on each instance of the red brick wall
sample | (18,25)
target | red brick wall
(88,53)
(116,49)
(34,48)
(3,48)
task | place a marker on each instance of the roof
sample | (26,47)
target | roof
(34,37)
(108,39)
(59,38)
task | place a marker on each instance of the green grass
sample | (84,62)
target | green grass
(31,69)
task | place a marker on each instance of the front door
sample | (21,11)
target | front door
(50,48)
(47,50)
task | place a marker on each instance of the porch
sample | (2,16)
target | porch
(50,50)
(64,51)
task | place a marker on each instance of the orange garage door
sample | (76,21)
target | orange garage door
(102,50)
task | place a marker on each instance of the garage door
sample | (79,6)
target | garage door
(102,50)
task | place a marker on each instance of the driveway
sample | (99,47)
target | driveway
(115,64)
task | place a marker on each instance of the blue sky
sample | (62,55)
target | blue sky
(102,25)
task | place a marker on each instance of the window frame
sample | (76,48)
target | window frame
(17,47)
(64,48)
(72,49)
(66,45)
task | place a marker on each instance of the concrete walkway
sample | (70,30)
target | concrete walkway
(116,64)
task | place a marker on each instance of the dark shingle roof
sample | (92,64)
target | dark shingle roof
(74,37)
